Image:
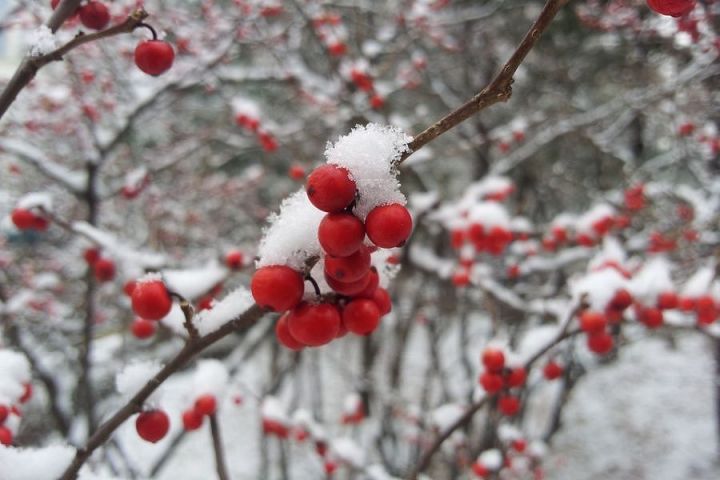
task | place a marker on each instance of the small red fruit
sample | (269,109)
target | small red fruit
(389,226)
(341,234)
(493,359)
(480,470)
(234,259)
(104,270)
(382,299)
(621,300)
(667,301)
(142,328)
(509,405)
(672,8)
(330,188)
(91,255)
(314,324)
(27,393)
(651,317)
(516,377)
(282,332)
(600,343)
(348,269)
(151,300)
(94,15)
(4,412)
(277,287)
(154,57)
(361,316)
(553,370)
(206,404)
(491,382)
(27,220)
(461,278)
(349,288)
(192,420)
(6,436)
(373,283)
(152,425)
(592,322)
(296,172)
(129,287)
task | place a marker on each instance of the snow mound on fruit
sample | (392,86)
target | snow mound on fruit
(291,239)
(370,154)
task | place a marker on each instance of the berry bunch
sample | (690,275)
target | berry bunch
(103,268)
(205,405)
(360,302)
(499,378)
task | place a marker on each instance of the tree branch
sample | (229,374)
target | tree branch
(218,448)
(498,90)
(239,324)
(32,64)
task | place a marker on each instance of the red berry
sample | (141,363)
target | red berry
(150,300)
(349,288)
(592,322)
(206,404)
(341,234)
(152,425)
(27,220)
(382,299)
(142,328)
(154,57)
(516,377)
(91,255)
(361,316)
(27,393)
(296,172)
(94,15)
(519,445)
(600,343)
(348,269)
(493,359)
(330,188)
(234,259)
(277,287)
(192,420)
(314,324)
(621,300)
(491,382)
(6,436)
(373,282)
(672,8)
(104,270)
(667,301)
(553,370)
(389,226)
(651,317)
(129,287)
(480,470)
(377,102)
(509,405)
(282,332)
(461,278)
(4,412)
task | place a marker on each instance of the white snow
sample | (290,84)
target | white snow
(291,238)
(699,283)
(599,287)
(14,373)
(135,375)
(348,451)
(45,463)
(211,377)
(42,41)
(42,200)
(230,307)
(652,280)
(192,283)
(492,459)
(369,153)
(272,408)
(130,259)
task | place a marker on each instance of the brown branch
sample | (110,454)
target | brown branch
(218,448)
(32,64)
(239,324)
(498,90)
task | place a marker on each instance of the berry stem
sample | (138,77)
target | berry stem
(310,279)
(149,27)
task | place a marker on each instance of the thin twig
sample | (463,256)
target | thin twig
(32,64)
(218,448)
(498,90)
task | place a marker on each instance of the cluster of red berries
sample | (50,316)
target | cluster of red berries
(504,145)
(348,270)
(152,425)
(6,435)
(204,405)
(364,82)
(327,29)
(672,8)
(27,219)
(267,140)
(103,268)
(498,378)
(153,57)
